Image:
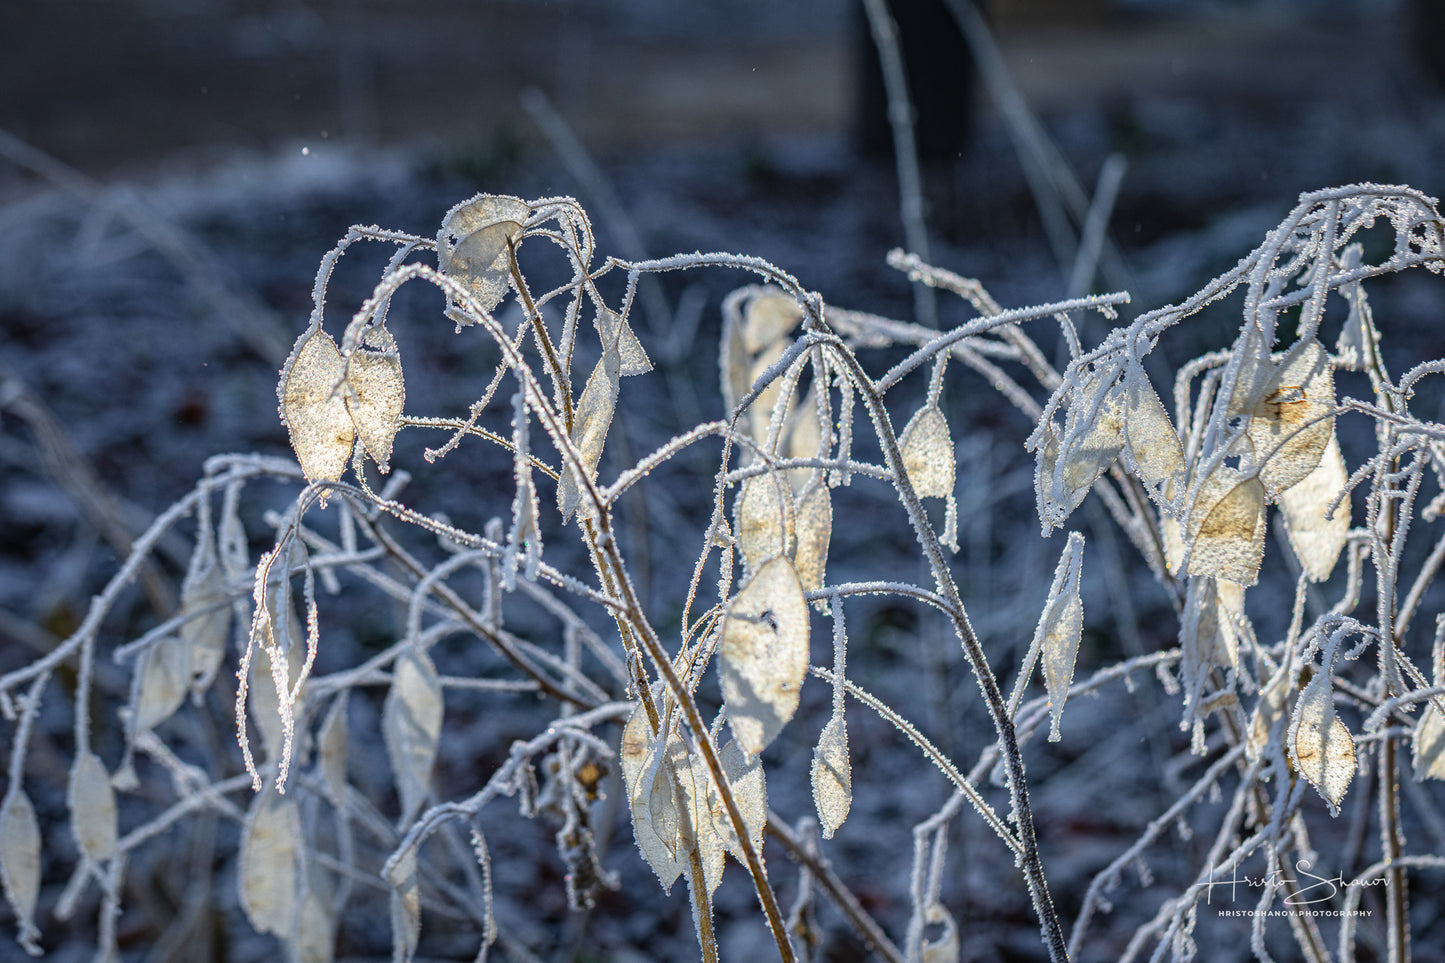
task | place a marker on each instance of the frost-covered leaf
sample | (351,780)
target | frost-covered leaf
(332,750)
(474,244)
(1293,420)
(266,874)
(813,528)
(760,413)
(1061,626)
(207,629)
(1227,540)
(631,356)
(770,317)
(92,807)
(405,907)
(1272,705)
(750,791)
(263,701)
(764,517)
(639,769)
(378,394)
(928,453)
(1429,745)
(412,724)
(764,653)
(944,949)
(1151,441)
(315,929)
(1321,747)
(20,863)
(316,417)
(832,776)
(1318,541)
(589,429)
(165,677)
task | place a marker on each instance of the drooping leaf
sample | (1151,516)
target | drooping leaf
(1321,747)
(814,528)
(92,807)
(1061,626)
(315,928)
(1428,758)
(378,394)
(1293,420)
(411,722)
(405,908)
(750,790)
(832,776)
(764,653)
(263,699)
(270,842)
(760,413)
(1318,541)
(165,677)
(332,751)
(765,518)
(640,767)
(928,453)
(770,317)
(1100,438)
(1151,441)
(20,864)
(589,430)
(1227,540)
(206,632)
(315,415)
(631,356)
(1272,704)
(475,241)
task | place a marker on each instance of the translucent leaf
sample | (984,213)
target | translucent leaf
(165,677)
(711,826)
(1090,454)
(805,440)
(1061,626)
(637,755)
(1151,441)
(814,527)
(316,417)
(770,317)
(262,700)
(207,629)
(589,429)
(473,246)
(764,653)
(1269,710)
(20,864)
(405,907)
(1429,745)
(92,807)
(631,356)
(411,721)
(332,750)
(1321,747)
(945,948)
(764,516)
(377,396)
(760,414)
(315,930)
(1318,541)
(750,791)
(1293,418)
(1228,538)
(928,453)
(832,776)
(270,841)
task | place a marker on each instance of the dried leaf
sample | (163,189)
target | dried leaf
(760,413)
(1228,539)
(1092,452)
(640,767)
(1429,745)
(945,948)
(411,721)
(1151,442)
(770,317)
(20,863)
(1321,747)
(712,835)
(814,527)
(764,653)
(1061,626)
(928,453)
(332,751)
(315,930)
(631,356)
(765,519)
(92,807)
(263,701)
(1318,541)
(474,244)
(405,907)
(832,776)
(750,791)
(270,842)
(378,394)
(589,430)
(315,416)
(1270,709)
(207,629)
(165,677)
(1293,420)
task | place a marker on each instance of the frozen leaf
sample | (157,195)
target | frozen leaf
(1318,541)
(412,724)
(1090,454)
(263,701)
(928,453)
(814,528)
(750,791)
(832,776)
(270,841)
(770,316)
(165,677)
(764,653)
(1269,710)
(944,949)
(805,440)
(1228,541)
(315,930)
(1321,747)
(706,810)
(316,417)
(377,396)
(668,799)
(1152,443)
(760,414)
(332,751)
(637,754)
(631,357)
(765,520)
(405,907)
(1061,626)
(92,807)
(20,863)
(589,430)
(475,243)
(205,633)
(1293,419)
(1429,745)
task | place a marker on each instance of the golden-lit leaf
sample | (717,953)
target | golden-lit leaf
(1061,626)
(1228,539)
(1318,541)
(770,317)
(1293,419)
(1152,443)
(589,429)
(315,416)
(475,241)
(764,517)
(1321,747)
(764,653)
(1429,745)
(1091,453)
(814,528)
(92,807)
(411,722)
(928,453)
(832,776)
(270,841)
(378,394)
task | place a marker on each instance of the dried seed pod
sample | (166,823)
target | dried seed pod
(832,776)
(314,414)
(764,653)
(765,518)
(1321,748)
(1060,628)
(1151,442)
(475,244)
(375,401)
(928,453)
(814,528)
